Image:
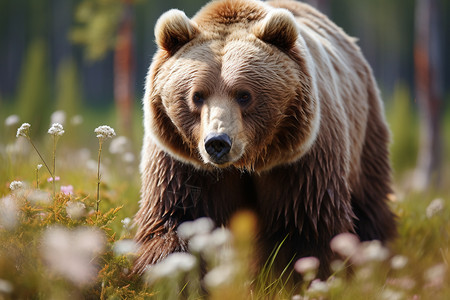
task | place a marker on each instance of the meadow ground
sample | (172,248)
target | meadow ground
(69,236)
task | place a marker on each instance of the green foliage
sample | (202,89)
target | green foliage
(34,87)
(68,88)
(97,25)
(403,122)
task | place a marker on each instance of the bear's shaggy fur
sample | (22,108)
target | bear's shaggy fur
(304,142)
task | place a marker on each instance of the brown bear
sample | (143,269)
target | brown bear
(267,106)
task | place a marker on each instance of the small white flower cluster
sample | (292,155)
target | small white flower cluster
(125,247)
(119,145)
(76,120)
(58,116)
(127,224)
(212,246)
(307,266)
(56,130)
(104,132)
(75,209)
(348,246)
(6,287)
(23,130)
(204,240)
(16,185)
(72,254)
(435,207)
(172,266)
(8,212)
(12,120)
(39,196)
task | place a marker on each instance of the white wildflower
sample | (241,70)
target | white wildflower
(16,185)
(23,130)
(307,266)
(128,157)
(104,132)
(6,287)
(220,237)
(219,276)
(199,243)
(370,251)
(56,129)
(173,265)
(39,166)
(318,287)
(389,294)
(72,253)
(76,120)
(12,120)
(399,262)
(197,227)
(75,209)
(39,196)
(8,212)
(435,276)
(119,145)
(436,206)
(125,247)
(126,223)
(345,244)
(58,116)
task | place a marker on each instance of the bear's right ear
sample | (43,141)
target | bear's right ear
(174,29)
(278,28)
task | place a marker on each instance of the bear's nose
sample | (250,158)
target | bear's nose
(217,145)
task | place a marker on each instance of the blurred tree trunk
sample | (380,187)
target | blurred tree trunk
(124,69)
(428,74)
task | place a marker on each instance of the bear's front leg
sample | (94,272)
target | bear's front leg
(164,194)
(154,247)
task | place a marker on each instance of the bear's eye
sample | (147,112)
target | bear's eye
(243,98)
(198,98)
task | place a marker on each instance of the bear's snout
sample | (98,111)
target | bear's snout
(218,145)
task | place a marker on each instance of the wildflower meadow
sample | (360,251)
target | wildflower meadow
(67,200)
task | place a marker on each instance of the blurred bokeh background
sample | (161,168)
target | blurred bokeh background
(89,58)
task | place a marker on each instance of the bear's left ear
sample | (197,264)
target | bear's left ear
(278,28)
(174,29)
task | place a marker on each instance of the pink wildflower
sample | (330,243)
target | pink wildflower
(50,179)
(67,189)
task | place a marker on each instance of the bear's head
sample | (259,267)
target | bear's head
(231,87)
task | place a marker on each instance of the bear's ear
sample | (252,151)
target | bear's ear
(174,29)
(278,28)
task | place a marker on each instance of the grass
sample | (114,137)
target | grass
(34,266)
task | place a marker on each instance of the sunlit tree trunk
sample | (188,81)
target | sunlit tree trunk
(124,69)
(428,76)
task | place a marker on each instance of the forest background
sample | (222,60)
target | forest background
(87,61)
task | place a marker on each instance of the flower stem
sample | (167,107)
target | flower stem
(54,165)
(37,178)
(98,173)
(37,151)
